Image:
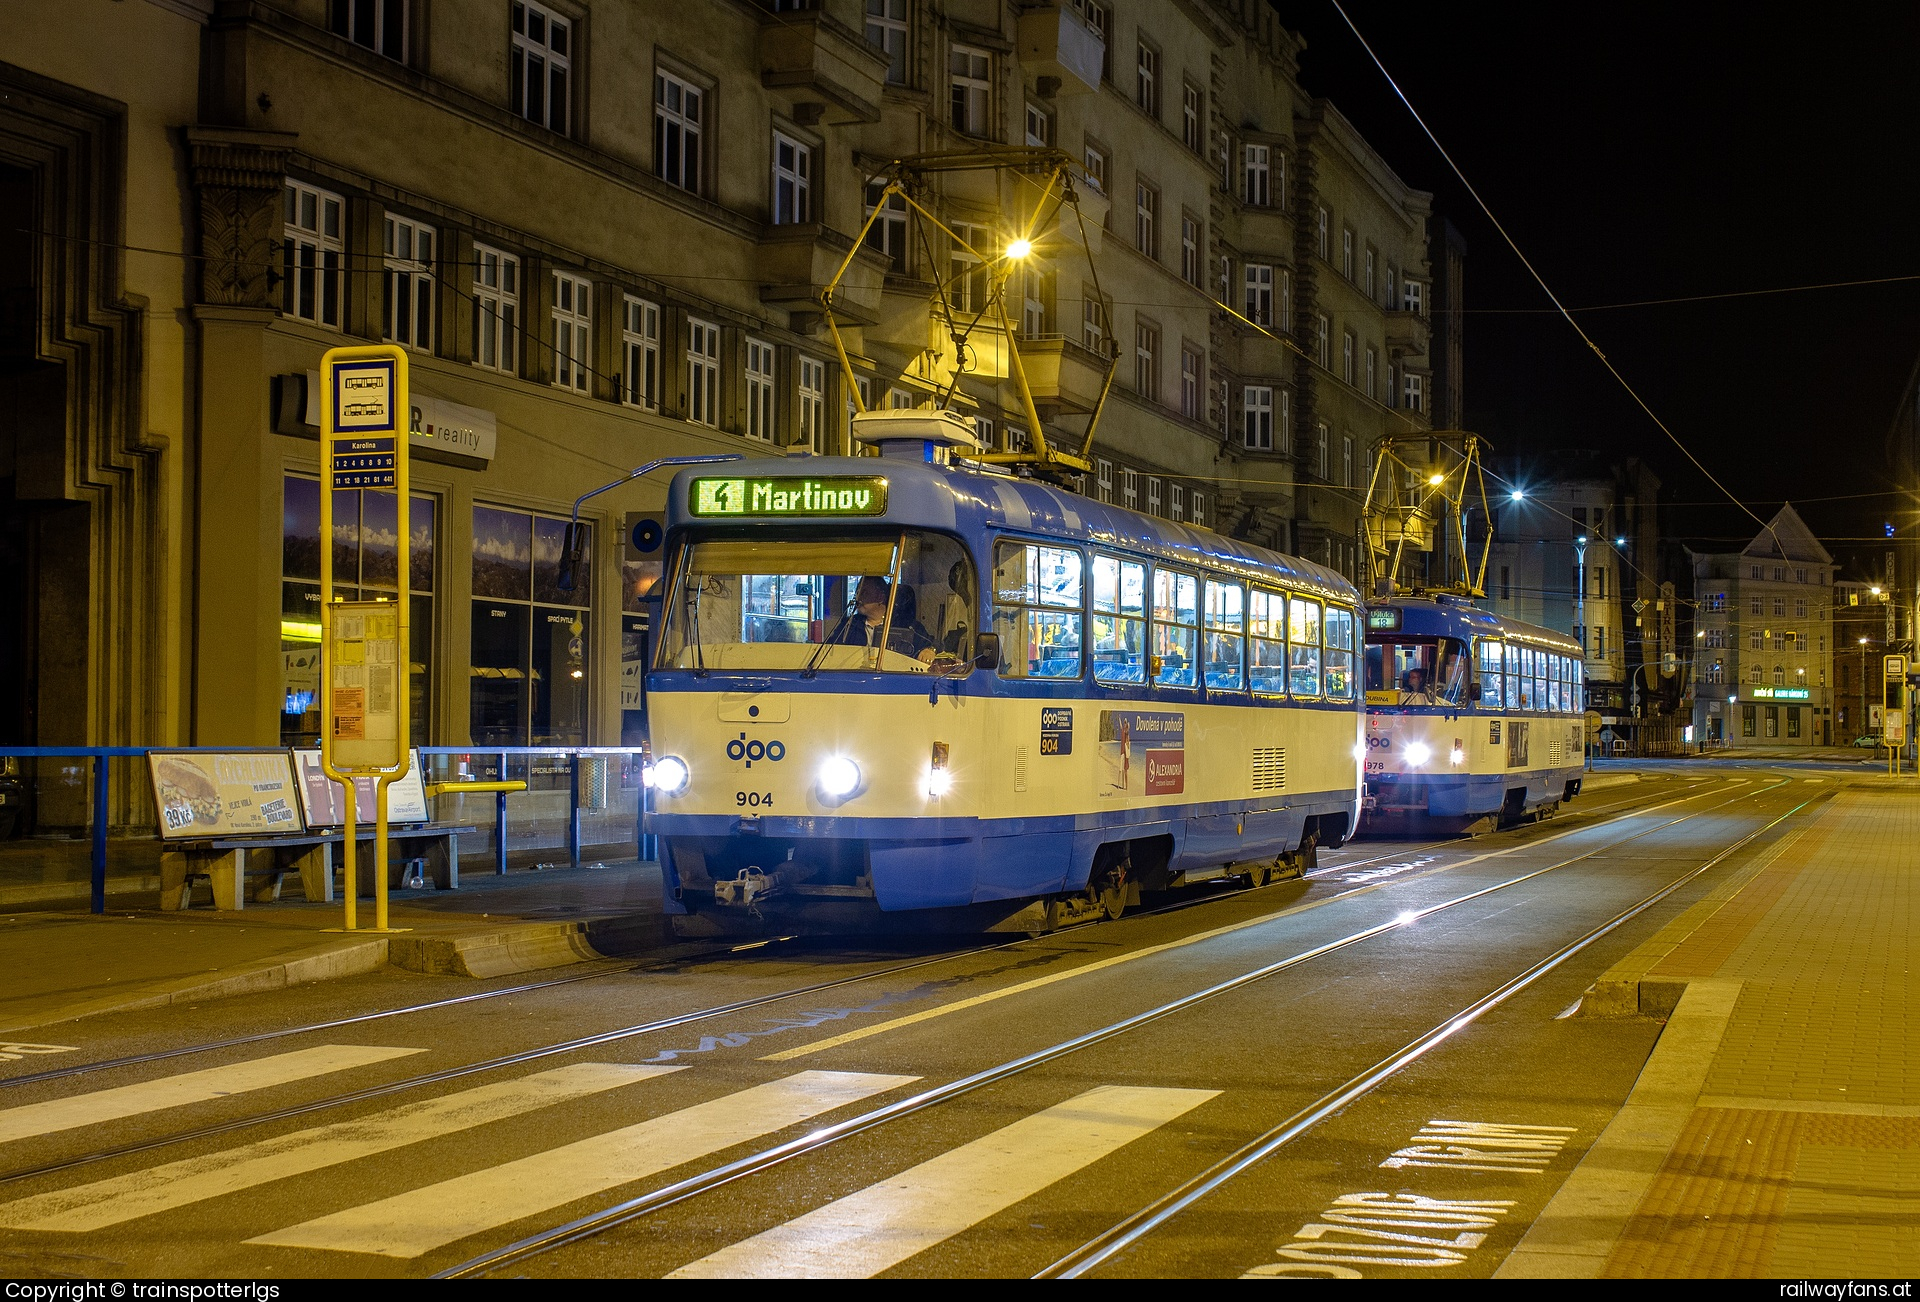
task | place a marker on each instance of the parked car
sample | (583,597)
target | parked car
(1869,742)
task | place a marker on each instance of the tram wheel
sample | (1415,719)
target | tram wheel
(1259,874)
(1113,897)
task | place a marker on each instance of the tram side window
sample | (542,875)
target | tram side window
(1490,674)
(1553,682)
(1512,671)
(1037,610)
(1303,647)
(1267,646)
(1563,693)
(1226,637)
(1539,680)
(1176,627)
(1339,639)
(1119,620)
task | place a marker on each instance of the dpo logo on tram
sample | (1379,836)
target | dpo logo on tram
(756,750)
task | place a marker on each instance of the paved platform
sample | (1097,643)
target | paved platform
(66,965)
(1775,1131)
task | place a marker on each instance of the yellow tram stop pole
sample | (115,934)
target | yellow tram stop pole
(365,648)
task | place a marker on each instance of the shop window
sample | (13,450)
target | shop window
(1747,713)
(366,566)
(496,309)
(531,653)
(312,250)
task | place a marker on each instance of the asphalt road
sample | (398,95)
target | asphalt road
(1114,1063)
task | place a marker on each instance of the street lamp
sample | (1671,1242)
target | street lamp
(1020,248)
(1863,686)
(1517,494)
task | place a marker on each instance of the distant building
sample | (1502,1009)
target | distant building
(1763,640)
(1447,250)
(1578,552)
(1860,617)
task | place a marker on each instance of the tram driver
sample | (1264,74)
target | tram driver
(867,626)
(1414,689)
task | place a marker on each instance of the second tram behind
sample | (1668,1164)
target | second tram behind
(1473,721)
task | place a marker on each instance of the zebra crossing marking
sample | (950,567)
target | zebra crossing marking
(416,1222)
(128,1197)
(859,1236)
(100,1106)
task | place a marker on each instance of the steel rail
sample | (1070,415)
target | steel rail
(1170,1204)
(631,1209)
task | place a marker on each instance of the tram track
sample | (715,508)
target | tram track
(652,1026)
(1129,1231)
(625,969)
(628,1210)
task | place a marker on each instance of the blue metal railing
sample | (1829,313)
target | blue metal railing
(100,755)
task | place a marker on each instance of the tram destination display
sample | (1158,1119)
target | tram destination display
(778,496)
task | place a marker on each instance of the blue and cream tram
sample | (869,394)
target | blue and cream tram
(908,690)
(1472,720)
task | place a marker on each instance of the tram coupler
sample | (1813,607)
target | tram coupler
(745,890)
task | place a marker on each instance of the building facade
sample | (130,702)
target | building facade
(601,231)
(1763,635)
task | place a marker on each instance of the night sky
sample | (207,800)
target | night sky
(1635,156)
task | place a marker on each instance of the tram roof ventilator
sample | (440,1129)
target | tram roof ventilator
(910,434)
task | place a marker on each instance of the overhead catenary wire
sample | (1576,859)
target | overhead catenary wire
(1538,279)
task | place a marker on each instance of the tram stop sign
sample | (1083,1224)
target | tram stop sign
(1893,719)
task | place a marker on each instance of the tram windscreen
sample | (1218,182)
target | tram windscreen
(1416,671)
(898,603)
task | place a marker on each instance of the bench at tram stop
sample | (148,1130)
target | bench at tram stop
(254,867)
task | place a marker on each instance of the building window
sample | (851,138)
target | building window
(1346,253)
(1780,607)
(1800,607)
(1754,674)
(887,32)
(639,352)
(983,433)
(968,282)
(1130,488)
(531,649)
(1321,222)
(1754,607)
(1323,346)
(1716,601)
(1189,250)
(496,309)
(1320,441)
(1372,259)
(1259,278)
(679,109)
(1146,219)
(1286,420)
(1779,676)
(1256,409)
(380,25)
(888,234)
(1799,576)
(366,566)
(1746,720)
(1346,460)
(1191,365)
(1756,639)
(703,373)
(1039,126)
(409,277)
(812,404)
(792,181)
(1093,330)
(1097,168)
(759,390)
(1193,118)
(1373,372)
(311,254)
(1176,502)
(1147,85)
(970,85)
(1756,571)
(1153,495)
(1197,509)
(1285,279)
(1146,368)
(1259,175)
(1413,396)
(1099,16)
(539,65)
(572,330)
(1103,480)
(1033,302)
(1779,574)
(1412,296)
(1348,346)
(1717,673)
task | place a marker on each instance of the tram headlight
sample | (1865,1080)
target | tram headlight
(670,775)
(1417,753)
(1456,756)
(839,778)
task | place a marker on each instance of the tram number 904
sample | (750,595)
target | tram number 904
(753,799)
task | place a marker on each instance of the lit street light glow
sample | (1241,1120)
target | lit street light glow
(1019,248)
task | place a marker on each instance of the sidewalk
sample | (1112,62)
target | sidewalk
(1775,1131)
(66,965)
